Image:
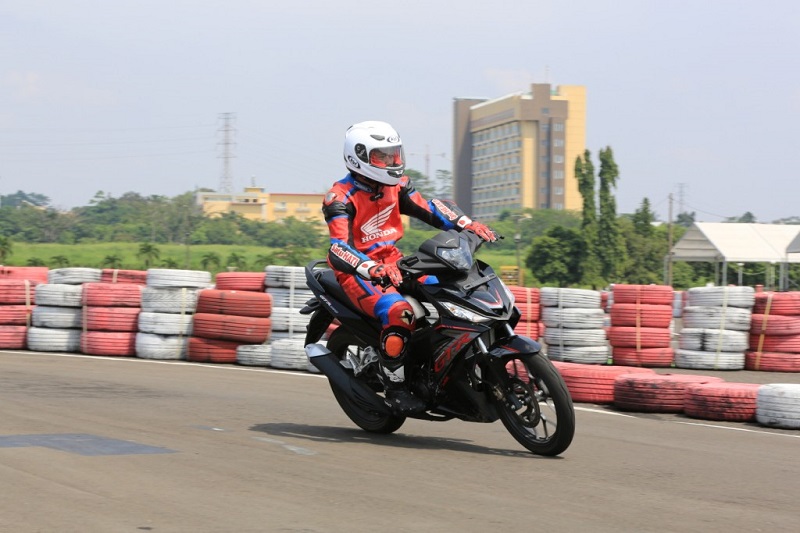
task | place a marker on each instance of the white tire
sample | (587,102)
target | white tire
(59,295)
(165,323)
(54,339)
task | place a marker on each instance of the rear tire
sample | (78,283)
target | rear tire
(339,344)
(537,409)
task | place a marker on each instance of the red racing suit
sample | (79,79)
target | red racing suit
(365,223)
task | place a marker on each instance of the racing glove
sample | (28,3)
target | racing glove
(481,230)
(382,274)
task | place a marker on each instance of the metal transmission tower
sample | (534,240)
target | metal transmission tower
(228,131)
(427,155)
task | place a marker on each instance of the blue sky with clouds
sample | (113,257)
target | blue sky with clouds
(698,96)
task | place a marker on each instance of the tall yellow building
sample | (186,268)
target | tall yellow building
(519,151)
(256,204)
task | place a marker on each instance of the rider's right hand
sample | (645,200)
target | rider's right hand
(382,272)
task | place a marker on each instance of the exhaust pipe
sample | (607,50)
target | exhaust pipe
(358,392)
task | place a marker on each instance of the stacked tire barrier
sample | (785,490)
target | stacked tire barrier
(574,325)
(290,292)
(716,322)
(774,344)
(527,300)
(57,319)
(227,319)
(169,300)
(110,318)
(640,333)
(16,306)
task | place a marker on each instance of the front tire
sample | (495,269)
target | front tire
(340,343)
(537,408)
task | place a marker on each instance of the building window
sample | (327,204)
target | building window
(558,159)
(558,126)
(558,143)
(545,111)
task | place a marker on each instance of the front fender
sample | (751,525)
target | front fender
(513,346)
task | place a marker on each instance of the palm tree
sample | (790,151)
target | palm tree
(112,261)
(149,252)
(169,263)
(210,259)
(236,261)
(59,261)
(264,259)
(6,247)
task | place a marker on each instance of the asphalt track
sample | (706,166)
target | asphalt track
(91,444)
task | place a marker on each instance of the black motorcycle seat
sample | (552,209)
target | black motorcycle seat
(332,287)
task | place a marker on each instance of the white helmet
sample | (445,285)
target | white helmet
(373,149)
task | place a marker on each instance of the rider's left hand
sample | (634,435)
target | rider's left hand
(482,230)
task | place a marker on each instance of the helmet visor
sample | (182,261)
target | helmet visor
(387,157)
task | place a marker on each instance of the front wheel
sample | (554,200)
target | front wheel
(537,407)
(340,344)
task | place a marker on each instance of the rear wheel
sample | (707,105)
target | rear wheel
(341,344)
(536,409)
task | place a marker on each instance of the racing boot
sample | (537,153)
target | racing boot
(392,355)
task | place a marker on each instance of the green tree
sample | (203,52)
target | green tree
(610,246)
(112,261)
(262,260)
(685,219)
(6,248)
(169,262)
(149,253)
(237,261)
(555,258)
(35,262)
(590,264)
(210,261)
(59,261)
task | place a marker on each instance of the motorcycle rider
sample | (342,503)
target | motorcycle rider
(363,212)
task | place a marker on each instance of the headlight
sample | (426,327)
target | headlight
(459,258)
(465,314)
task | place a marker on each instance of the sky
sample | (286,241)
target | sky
(699,99)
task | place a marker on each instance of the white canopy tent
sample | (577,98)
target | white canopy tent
(723,243)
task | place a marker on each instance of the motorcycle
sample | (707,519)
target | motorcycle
(464,359)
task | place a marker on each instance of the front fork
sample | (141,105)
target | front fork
(491,361)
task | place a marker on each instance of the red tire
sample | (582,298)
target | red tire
(722,401)
(594,384)
(525,295)
(119,319)
(38,274)
(17,291)
(772,361)
(16,315)
(115,275)
(775,324)
(777,303)
(661,393)
(211,350)
(642,315)
(643,294)
(631,337)
(112,344)
(242,329)
(775,343)
(106,294)
(241,281)
(238,303)
(647,357)
(529,312)
(13,337)
(533,330)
